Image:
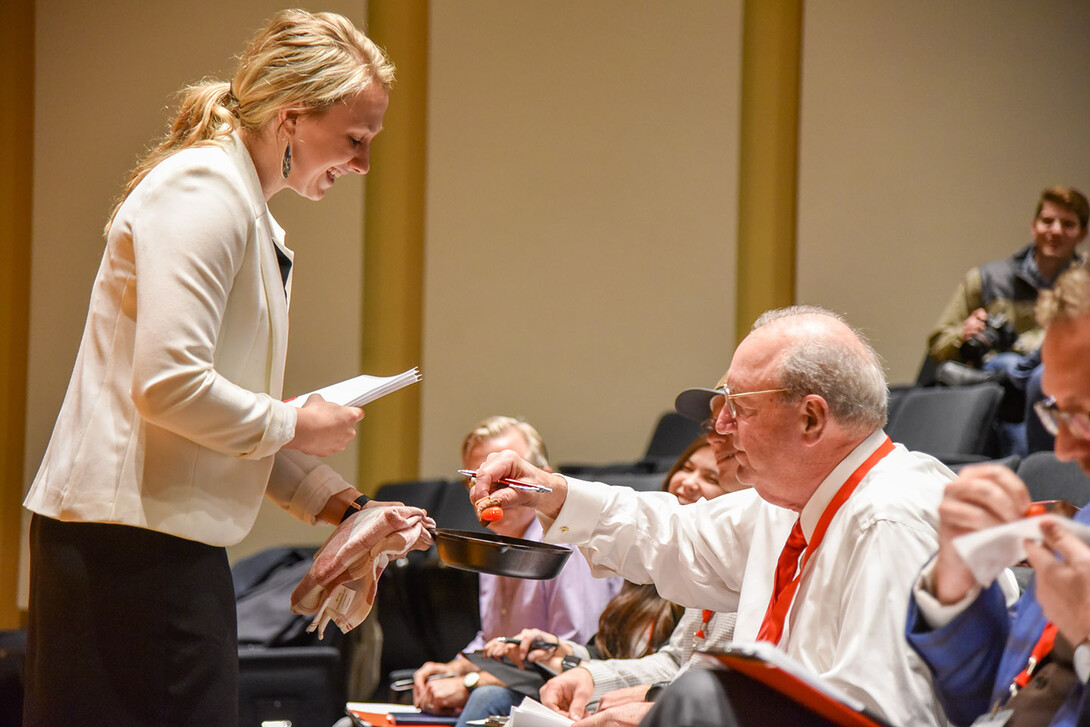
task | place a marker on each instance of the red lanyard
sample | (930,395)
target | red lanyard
(780,603)
(1040,651)
(706,617)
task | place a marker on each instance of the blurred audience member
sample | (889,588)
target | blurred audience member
(989,331)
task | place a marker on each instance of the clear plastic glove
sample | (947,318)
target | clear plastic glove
(341,584)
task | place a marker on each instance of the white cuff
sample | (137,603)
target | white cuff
(934,613)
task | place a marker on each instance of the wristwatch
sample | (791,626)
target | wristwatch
(471,680)
(570,662)
(1081,660)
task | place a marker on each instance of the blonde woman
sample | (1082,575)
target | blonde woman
(173,428)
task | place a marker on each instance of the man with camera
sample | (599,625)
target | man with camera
(988,331)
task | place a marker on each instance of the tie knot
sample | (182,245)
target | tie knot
(796,540)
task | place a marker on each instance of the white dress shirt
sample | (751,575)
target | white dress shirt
(847,619)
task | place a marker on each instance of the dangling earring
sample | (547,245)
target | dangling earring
(285,166)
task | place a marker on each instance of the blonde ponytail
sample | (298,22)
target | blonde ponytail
(204,117)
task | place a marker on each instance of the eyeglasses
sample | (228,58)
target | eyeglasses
(730,397)
(1078,423)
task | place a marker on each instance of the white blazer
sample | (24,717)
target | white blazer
(172,419)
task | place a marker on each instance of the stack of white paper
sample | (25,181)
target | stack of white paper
(361,390)
(532,713)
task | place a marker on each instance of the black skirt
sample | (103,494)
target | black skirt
(128,626)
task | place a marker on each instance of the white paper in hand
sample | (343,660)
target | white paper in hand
(532,713)
(988,552)
(360,390)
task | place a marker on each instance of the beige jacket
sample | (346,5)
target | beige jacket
(172,419)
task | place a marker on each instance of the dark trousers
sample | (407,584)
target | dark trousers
(128,627)
(723,698)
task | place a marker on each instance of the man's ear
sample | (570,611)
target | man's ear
(815,417)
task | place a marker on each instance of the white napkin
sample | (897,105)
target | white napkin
(988,552)
(341,584)
(532,713)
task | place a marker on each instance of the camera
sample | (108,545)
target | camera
(998,334)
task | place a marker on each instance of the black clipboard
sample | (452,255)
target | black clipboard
(526,682)
(770,666)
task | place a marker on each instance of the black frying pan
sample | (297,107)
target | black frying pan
(499,555)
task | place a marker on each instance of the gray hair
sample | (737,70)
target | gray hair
(852,381)
(495,426)
(1068,299)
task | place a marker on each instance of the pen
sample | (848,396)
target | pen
(534,645)
(440,676)
(511,483)
(404,685)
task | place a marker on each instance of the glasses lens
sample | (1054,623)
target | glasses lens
(1046,413)
(728,402)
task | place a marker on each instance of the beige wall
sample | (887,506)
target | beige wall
(581,224)
(582,166)
(928,131)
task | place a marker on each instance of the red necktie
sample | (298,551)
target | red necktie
(786,567)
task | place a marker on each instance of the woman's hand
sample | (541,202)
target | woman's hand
(323,428)
(569,692)
(626,695)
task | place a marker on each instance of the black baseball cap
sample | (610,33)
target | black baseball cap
(696,404)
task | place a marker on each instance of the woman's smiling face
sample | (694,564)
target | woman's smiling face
(335,141)
(697,477)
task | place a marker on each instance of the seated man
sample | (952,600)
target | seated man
(852,516)
(567,605)
(988,331)
(982,655)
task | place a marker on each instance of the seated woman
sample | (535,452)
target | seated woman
(637,622)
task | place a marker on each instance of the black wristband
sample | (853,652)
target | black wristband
(355,507)
(654,691)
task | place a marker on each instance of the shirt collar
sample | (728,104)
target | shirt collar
(823,495)
(1033,273)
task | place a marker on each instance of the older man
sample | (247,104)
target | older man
(805,397)
(981,656)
